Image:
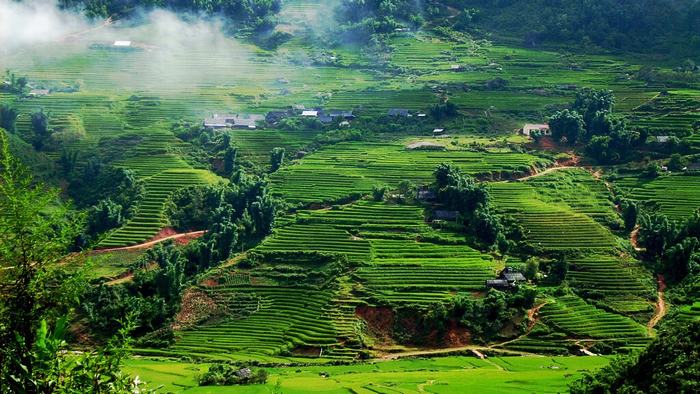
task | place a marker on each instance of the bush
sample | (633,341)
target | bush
(220,374)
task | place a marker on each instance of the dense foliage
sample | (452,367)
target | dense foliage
(37,295)
(252,13)
(644,26)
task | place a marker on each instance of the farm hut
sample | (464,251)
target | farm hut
(445,215)
(247,121)
(422,115)
(38,92)
(344,123)
(244,373)
(512,275)
(662,139)
(438,131)
(310,114)
(529,129)
(507,279)
(499,284)
(121,44)
(456,67)
(275,116)
(338,113)
(220,121)
(399,112)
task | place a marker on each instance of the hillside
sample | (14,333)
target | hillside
(367,196)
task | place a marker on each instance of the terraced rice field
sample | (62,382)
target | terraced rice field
(674,113)
(609,274)
(341,170)
(573,315)
(690,312)
(676,196)
(280,319)
(149,217)
(550,226)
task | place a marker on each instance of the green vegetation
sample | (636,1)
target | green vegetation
(447,374)
(387,202)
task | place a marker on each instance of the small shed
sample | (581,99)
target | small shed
(399,112)
(662,139)
(530,128)
(438,131)
(339,113)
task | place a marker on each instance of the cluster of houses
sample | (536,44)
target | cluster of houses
(252,121)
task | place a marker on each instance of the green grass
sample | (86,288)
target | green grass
(441,375)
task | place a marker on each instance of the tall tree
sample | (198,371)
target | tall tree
(35,232)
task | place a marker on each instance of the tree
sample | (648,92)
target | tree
(378,192)
(677,162)
(567,124)
(8,118)
(229,158)
(592,103)
(35,232)
(40,127)
(276,159)
(630,213)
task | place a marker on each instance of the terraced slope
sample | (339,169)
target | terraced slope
(573,315)
(675,195)
(550,226)
(149,217)
(344,169)
(271,321)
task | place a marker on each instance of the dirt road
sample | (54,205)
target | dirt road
(149,244)
(660,306)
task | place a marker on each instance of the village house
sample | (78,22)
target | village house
(310,114)
(450,216)
(247,121)
(530,129)
(338,113)
(399,112)
(507,279)
(220,121)
(242,121)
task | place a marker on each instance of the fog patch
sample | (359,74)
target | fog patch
(32,22)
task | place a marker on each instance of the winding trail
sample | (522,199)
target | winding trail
(149,244)
(545,172)
(660,306)
(633,239)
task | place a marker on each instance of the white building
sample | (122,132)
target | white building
(529,129)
